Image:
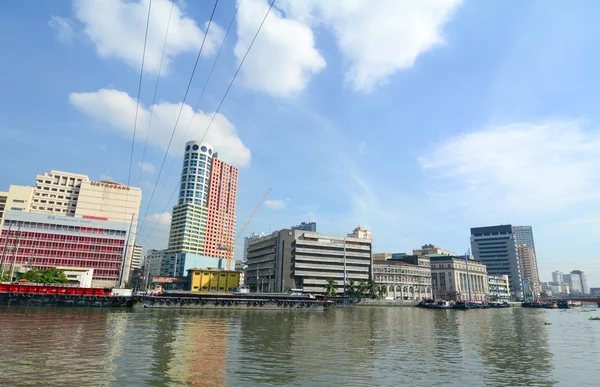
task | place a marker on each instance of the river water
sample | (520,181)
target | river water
(355,346)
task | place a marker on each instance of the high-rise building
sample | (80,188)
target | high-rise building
(254,236)
(17,198)
(75,195)
(574,282)
(496,247)
(306,226)
(557,277)
(203,223)
(524,236)
(529,268)
(137,260)
(582,280)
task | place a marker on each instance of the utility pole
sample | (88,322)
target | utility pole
(467,256)
(4,249)
(345,274)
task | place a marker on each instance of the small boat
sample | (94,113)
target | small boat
(567,304)
(499,304)
(437,305)
(462,305)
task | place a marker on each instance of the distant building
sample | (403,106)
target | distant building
(240,267)
(431,250)
(524,236)
(499,288)
(306,226)
(582,280)
(560,289)
(450,281)
(137,260)
(546,289)
(529,269)
(408,280)
(595,291)
(557,277)
(496,247)
(360,233)
(574,282)
(254,236)
(153,262)
(294,259)
(17,198)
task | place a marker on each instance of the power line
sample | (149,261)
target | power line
(180,110)
(224,96)
(137,106)
(162,56)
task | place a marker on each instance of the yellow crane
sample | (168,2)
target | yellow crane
(229,248)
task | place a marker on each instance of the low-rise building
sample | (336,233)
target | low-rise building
(240,267)
(213,280)
(595,291)
(499,288)
(153,262)
(169,283)
(451,281)
(17,198)
(407,279)
(431,250)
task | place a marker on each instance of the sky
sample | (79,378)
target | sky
(416,120)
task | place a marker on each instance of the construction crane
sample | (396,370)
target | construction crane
(229,248)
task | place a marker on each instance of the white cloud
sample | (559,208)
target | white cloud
(160,220)
(147,167)
(117,28)
(117,109)
(106,177)
(377,38)
(283,57)
(275,204)
(64,30)
(522,167)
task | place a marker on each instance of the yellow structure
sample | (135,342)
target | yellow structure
(213,280)
(17,198)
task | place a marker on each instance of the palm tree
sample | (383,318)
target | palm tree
(350,288)
(371,289)
(381,291)
(330,289)
(362,289)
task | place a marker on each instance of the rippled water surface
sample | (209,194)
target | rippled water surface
(361,346)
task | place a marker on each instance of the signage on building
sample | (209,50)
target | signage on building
(110,185)
(75,220)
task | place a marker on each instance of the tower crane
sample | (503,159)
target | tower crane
(229,248)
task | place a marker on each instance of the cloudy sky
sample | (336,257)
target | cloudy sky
(417,120)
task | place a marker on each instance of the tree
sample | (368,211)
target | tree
(330,288)
(362,289)
(48,276)
(351,288)
(381,290)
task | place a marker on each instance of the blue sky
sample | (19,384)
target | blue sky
(417,120)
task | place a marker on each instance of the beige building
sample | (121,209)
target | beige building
(431,250)
(75,195)
(529,269)
(407,279)
(17,198)
(361,233)
(450,281)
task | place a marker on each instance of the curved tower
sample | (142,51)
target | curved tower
(195,173)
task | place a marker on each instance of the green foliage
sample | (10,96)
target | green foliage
(351,289)
(381,291)
(48,276)
(330,288)
(594,318)
(5,277)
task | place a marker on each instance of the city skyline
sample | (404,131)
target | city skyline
(417,133)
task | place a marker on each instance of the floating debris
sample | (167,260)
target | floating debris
(595,318)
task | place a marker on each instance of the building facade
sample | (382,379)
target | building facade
(499,288)
(137,260)
(529,269)
(496,247)
(557,277)
(360,233)
(295,259)
(403,280)
(431,250)
(202,230)
(254,236)
(574,282)
(524,236)
(47,241)
(306,226)
(17,198)
(153,262)
(582,280)
(451,279)
(213,280)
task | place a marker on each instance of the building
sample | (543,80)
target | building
(137,261)
(451,280)
(574,282)
(431,250)
(496,247)
(153,262)
(546,289)
(403,279)
(499,289)
(360,233)
(295,259)
(560,289)
(557,277)
(240,267)
(524,236)
(46,241)
(75,195)
(582,281)
(169,283)
(203,223)
(529,269)
(79,276)
(17,198)
(306,226)
(213,280)
(254,236)
(595,291)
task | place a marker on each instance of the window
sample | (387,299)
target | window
(19,201)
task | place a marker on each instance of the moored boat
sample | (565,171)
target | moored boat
(59,295)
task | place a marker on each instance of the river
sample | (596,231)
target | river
(352,346)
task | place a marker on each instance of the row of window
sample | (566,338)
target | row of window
(16,224)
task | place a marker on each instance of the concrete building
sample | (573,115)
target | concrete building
(560,289)
(496,247)
(360,233)
(450,281)
(17,198)
(137,260)
(203,221)
(574,282)
(153,262)
(240,267)
(557,277)
(431,250)
(295,259)
(524,236)
(595,291)
(47,241)
(306,226)
(529,269)
(403,279)
(582,280)
(254,236)
(79,276)
(499,288)
(546,289)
